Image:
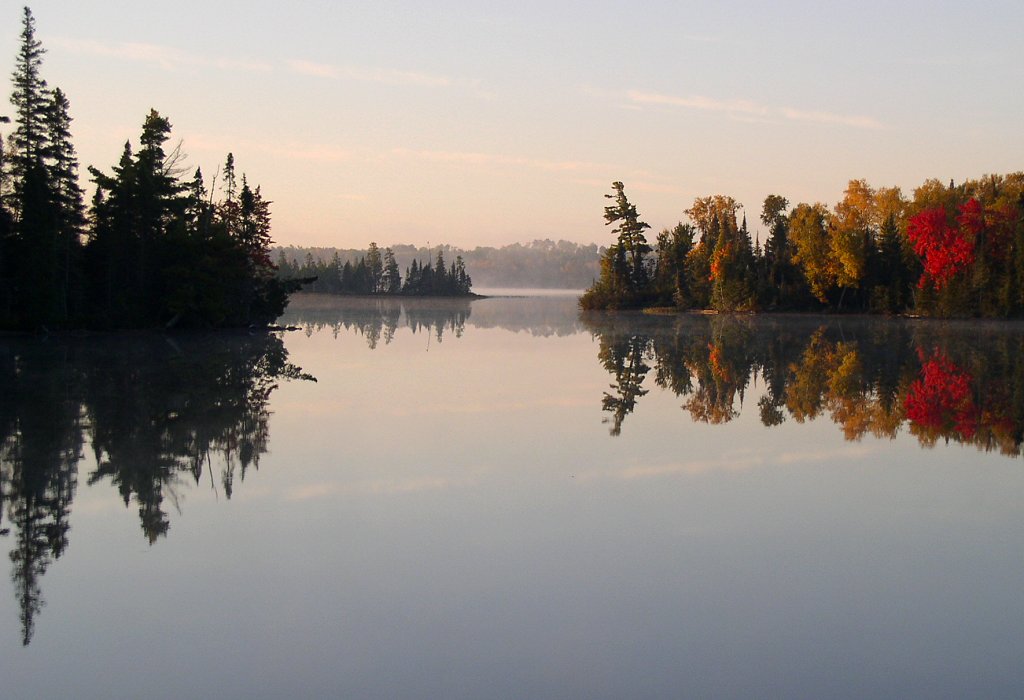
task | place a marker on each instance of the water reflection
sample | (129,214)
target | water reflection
(943,381)
(155,411)
(378,318)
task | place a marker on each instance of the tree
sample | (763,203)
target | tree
(67,199)
(781,274)
(31,100)
(229,209)
(944,248)
(852,239)
(731,265)
(391,279)
(631,235)
(375,268)
(809,235)
(671,282)
(623,280)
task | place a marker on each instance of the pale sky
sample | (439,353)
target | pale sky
(487,123)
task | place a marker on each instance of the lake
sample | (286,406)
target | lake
(503,498)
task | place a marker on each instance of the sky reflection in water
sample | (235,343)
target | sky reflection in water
(443,513)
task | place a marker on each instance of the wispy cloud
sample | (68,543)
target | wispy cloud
(699,102)
(386,76)
(166,57)
(858,121)
(749,111)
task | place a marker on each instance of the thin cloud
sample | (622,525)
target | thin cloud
(854,120)
(752,112)
(700,102)
(166,57)
(365,74)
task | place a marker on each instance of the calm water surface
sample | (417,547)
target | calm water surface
(503,498)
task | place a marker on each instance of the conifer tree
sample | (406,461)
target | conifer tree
(66,201)
(375,268)
(391,280)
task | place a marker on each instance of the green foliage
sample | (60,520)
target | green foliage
(624,281)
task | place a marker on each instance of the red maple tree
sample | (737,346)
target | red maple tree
(944,248)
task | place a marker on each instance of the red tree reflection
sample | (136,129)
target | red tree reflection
(941,401)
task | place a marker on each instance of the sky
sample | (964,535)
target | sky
(489,123)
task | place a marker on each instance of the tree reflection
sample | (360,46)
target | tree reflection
(378,318)
(155,411)
(624,355)
(962,383)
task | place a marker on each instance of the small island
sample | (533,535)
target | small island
(377,273)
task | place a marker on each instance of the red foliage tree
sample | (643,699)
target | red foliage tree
(944,249)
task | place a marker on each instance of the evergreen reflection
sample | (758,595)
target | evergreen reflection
(155,411)
(378,318)
(938,381)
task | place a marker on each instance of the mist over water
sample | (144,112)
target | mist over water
(506,498)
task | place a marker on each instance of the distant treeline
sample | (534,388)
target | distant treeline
(152,249)
(375,272)
(540,264)
(950,250)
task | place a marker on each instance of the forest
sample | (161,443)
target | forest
(153,248)
(377,273)
(948,250)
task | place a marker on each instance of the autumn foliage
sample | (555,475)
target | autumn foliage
(945,249)
(942,400)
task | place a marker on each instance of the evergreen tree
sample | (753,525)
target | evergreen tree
(31,100)
(671,282)
(375,269)
(623,280)
(391,280)
(229,209)
(67,202)
(631,235)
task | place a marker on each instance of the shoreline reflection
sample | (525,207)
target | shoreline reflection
(942,381)
(154,410)
(378,318)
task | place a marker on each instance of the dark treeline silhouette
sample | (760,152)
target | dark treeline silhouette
(959,382)
(152,249)
(154,411)
(950,250)
(540,264)
(376,273)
